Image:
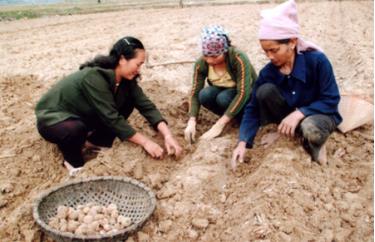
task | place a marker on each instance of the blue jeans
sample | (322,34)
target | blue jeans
(217,99)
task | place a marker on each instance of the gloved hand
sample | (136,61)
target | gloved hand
(214,131)
(190,130)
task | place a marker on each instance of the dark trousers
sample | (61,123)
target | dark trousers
(313,129)
(218,99)
(70,136)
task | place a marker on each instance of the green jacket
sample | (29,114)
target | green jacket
(241,71)
(89,94)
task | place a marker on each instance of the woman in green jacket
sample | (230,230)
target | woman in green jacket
(230,78)
(90,107)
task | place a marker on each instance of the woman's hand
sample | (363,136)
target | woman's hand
(153,149)
(289,124)
(190,130)
(238,154)
(170,143)
(172,146)
(216,129)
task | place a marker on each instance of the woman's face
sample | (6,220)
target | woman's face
(131,68)
(279,54)
(214,60)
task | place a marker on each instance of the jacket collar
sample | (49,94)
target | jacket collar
(299,69)
(108,74)
(298,72)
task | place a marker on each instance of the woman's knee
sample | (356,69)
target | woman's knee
(65,132)
(75,130)
(225,97)
(207,96)
(266,91)
(316,129)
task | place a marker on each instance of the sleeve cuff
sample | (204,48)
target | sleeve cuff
(249,145)
(127,135)
(230,115)
(305,111)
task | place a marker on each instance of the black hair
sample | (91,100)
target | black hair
(126,47)
(228,40)
(283,41)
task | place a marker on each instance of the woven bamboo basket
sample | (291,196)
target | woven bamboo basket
(132,198)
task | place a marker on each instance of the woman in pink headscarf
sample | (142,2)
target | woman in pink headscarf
(230,78)
(297,89)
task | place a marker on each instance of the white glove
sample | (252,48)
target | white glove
(214,131)
(190,131)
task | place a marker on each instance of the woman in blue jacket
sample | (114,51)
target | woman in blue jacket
(297,89)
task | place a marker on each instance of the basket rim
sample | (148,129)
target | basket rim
(129,229)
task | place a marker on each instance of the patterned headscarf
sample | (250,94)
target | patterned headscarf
(214,40)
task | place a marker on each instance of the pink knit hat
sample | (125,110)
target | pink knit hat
(280,23)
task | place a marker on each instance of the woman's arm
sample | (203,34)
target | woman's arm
(146,107)
(164,130)
(244,79)
(199,77)
(153,149)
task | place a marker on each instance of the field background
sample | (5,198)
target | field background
(17,9)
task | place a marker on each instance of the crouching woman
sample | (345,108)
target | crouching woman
(90,108)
